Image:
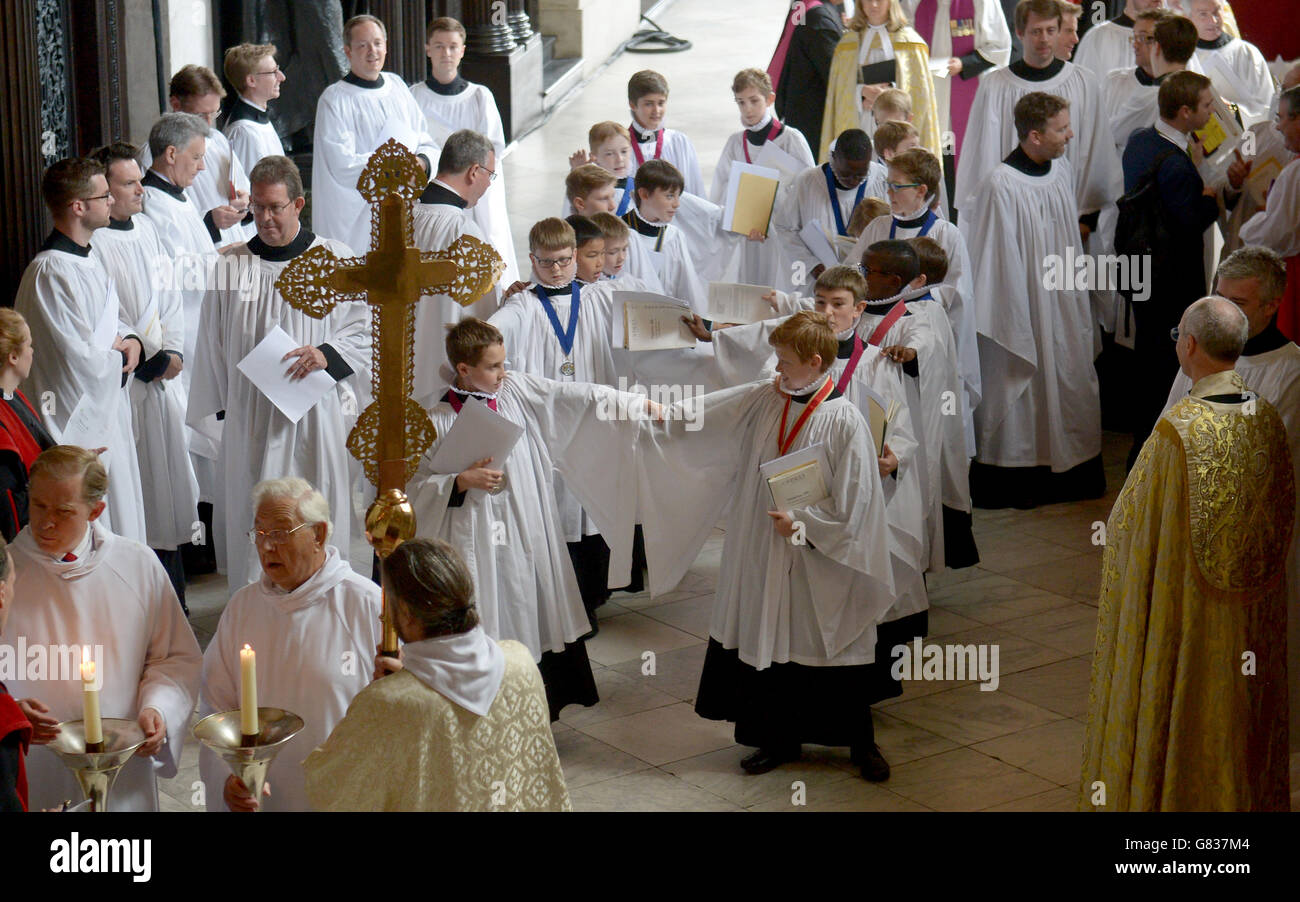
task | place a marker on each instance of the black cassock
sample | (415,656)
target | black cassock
(801,90)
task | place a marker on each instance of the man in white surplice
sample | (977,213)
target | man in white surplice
(1109,45)
(82,587)
(131,252)
(353,117)
(1254,278)
(1239,71)
(85,347)
(450,103)
(314,624)
(442,216)
(1038,426)
(259,441)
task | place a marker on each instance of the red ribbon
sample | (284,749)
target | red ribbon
(783,442)
(636,145)
(894,315)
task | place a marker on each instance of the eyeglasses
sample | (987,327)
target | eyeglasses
(1174,333)
(1141,39)
(275,71)
(273,209)
(559,262)
(276,536)
(894,186)
(492,173)
(97,197)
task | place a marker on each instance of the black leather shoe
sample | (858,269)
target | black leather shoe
(874,766)
(765,760)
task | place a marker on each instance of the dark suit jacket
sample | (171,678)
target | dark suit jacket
(1187,211)
(801,92)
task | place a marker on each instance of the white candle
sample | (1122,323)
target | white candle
(248,692)
(90,701)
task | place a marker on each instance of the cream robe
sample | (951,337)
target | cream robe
(259,442)
(513,542)
(170,493)
(71,306)
(1192,579)
(221,170)
(349,124)
(439,756)
(117,596)
(251,140)
(315,647)
(1241,76)
(476,109)
(815,604)
(1041,404)
(1106,47)
(677,150)
(807,200)
(844,99)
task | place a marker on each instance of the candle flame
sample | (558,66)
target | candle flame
(247,647)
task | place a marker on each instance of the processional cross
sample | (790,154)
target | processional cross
(393,431)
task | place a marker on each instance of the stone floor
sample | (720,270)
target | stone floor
(952,746)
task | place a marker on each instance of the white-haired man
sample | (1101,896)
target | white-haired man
(1239,71)
(1196,546)
(314,622)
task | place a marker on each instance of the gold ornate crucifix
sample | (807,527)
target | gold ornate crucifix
(393,431)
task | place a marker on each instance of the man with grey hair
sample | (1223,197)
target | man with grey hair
(1253,278)
(178,143)
(1238,69)
(314,623)
(1268,208)
(1196,548)
(465,170)
(353,117)
(464,717)
(260,441)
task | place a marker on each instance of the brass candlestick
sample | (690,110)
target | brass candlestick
(390,521)
(248,757)
(96,771)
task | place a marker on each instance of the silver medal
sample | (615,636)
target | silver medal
(567,368)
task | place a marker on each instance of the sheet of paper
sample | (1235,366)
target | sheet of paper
(793,483)
(264,368)
(773,157)
(106,327)
(731,302)
(618,316)
(751,194)
(92,418)
(812,235)
(401,132)
(478,432)
(655,326)
(939,66)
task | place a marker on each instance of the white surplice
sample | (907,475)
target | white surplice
(251,135)
(170,492)
(1275,375)
(259,442)
(991,135)
(514,542)
(315,647)
(1106,47)
(119,597)
(807,199)
(212,184)
(1274,228)
(475,108)
(436,227)
(1277,226)
(757,262)
(350,120)
(670,260)
(1041,405)
(1241,76)
(677,150)
(958,303)
(532,347)
(815,604)
(71,306)
(1130,104)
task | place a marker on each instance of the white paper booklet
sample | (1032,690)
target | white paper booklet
(798,479)
(773,157)
(478,432)
(644,321)
(731,302)
(266,369)
(812,235)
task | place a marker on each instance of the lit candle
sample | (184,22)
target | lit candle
(90,703)
(248,692)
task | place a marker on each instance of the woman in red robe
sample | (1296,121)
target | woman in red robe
(22,436)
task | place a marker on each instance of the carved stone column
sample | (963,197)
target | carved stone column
(23,224)
(405,23)
(520,24)
(487,30)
